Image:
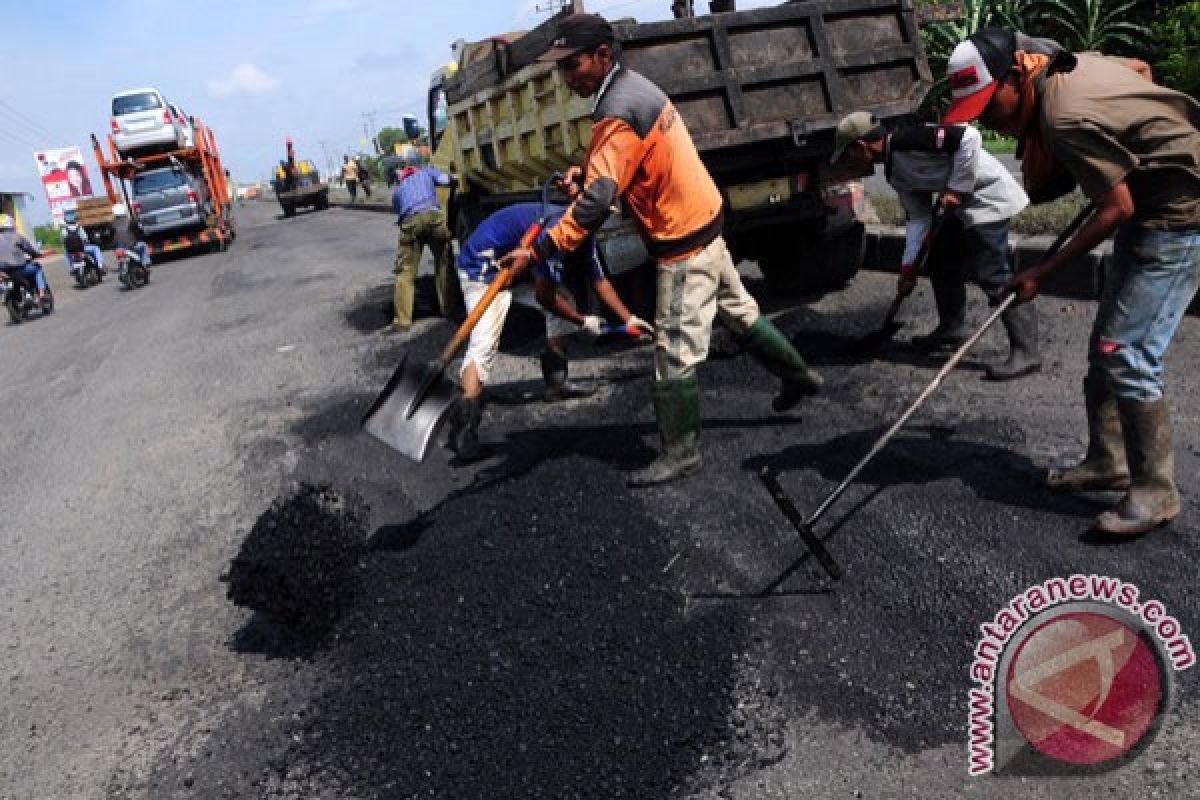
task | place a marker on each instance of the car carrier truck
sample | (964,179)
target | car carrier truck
(215,230)
(761,92)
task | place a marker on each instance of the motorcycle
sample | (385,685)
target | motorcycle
(20,296)
(85,269)
(132,272)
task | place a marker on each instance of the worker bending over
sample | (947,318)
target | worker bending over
(495,237)
(978,195)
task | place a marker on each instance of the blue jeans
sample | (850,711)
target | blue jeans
(1149,282)
(33,272)
(96,254)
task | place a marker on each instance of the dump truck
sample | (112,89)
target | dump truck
(298,184)
(761,92)
(202,162)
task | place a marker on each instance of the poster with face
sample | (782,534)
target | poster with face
(64,177)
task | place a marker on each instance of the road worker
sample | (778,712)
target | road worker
(641,152)
(1133,148)
(495,237)
(978,195)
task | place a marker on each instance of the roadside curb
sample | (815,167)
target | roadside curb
(1080,280)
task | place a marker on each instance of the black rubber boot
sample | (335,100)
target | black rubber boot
(1104,467)
(1021,322)
(554,372)
(950,296)
(677,411)
(771,348)
(1152,499)
(465,438)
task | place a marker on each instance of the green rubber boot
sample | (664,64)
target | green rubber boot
(677,410)
(771,348)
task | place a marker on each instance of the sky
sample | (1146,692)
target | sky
(256,71)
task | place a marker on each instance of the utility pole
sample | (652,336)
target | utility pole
(328,158)
(369,129)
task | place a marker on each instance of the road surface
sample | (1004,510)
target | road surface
(527,626)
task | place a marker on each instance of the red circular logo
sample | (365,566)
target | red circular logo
(1085,688)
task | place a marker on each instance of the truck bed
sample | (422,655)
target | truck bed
(778,76)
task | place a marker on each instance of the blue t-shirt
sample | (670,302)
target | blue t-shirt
(501,233)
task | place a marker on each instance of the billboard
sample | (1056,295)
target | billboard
(64,177)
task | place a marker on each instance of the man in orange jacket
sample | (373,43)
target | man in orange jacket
(641,152)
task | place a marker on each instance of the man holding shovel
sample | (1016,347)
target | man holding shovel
(641,152)
(978,197)
(1134,149)
(495,237)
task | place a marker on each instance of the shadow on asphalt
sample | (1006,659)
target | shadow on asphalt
(992,471)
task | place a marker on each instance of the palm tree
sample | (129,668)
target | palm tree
(1094,24)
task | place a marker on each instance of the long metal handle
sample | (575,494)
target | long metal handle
(916,404)
(1067,233)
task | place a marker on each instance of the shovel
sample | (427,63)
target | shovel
(406,414)
(805,527)
(875,339)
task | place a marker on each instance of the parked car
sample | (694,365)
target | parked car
(142,121)
(185,124)
(169,198)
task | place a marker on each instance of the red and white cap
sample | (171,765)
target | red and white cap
(974,71)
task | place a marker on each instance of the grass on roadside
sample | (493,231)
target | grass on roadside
(1047,219)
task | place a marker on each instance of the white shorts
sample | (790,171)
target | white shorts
(484,342)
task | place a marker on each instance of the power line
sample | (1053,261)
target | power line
(19,139)
(27,121)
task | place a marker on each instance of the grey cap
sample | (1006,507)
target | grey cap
(859,125)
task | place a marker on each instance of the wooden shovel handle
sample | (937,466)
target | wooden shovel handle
(501,282)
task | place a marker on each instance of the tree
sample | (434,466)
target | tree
(1177,41)
(389,137)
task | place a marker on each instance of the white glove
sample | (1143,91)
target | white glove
(592,326)
(644,328)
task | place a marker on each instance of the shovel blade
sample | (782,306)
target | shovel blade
(388,419)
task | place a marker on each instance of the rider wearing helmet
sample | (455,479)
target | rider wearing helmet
(17,253)
(75,240)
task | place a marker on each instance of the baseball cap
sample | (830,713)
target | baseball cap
(974,69)
(859,125)
(576,33)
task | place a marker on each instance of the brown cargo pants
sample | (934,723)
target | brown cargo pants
(418,231)
(690,293)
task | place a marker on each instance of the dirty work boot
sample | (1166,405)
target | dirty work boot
(771,348)
(1152,498)
(554,372)
(950,297)
(465,437)
(1103,467)
(677,410)
(1021,322)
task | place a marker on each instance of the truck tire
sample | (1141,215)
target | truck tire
(289,210)
(322,202)
(818,263)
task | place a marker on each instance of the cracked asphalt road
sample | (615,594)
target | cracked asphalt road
(527,626)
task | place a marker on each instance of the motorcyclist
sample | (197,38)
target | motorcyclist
(75,240)
(17,253)
(127,239)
